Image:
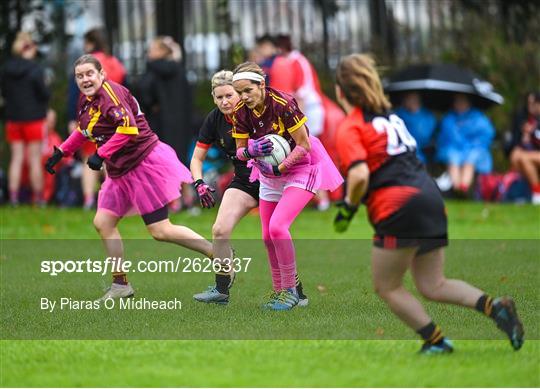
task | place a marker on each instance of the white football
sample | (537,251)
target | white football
(280,151)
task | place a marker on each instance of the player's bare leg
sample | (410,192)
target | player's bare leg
(165,231)
(428,275)
(89,180)
(234,206)
(106,225)
(388,268)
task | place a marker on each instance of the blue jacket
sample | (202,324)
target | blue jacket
(421,124)
(466,131)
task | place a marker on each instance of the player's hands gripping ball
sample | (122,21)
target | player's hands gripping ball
(259,148)
(94,162)
(344,216)
(267,169)
(53,160)
(205,193)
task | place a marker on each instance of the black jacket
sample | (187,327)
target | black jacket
(165,98)
(24,90)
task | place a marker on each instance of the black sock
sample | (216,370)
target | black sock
(485,305)
(297,279)
(431,333)
(120,278)
(222,283)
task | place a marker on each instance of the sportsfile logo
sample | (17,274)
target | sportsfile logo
(114,264)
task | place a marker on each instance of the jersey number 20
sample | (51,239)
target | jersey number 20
(399,140)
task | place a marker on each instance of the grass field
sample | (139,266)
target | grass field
(346,337)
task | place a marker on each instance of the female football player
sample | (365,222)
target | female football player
(405,208)
(241,195)
(143,174)
(287,188)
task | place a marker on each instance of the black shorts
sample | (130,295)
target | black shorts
(421,222)
(243,184)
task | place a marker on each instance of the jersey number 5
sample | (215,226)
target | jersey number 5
(399,140)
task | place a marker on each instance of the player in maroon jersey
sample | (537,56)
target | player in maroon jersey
(143,174)
(405,208)
(241,195)
(285,189)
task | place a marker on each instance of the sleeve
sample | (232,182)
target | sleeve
(484,131)
(40,86)
(291,117)
(207,132)
(73,143)
(118,112)
(281,77)
(240,129)
(114,144)
(350,147)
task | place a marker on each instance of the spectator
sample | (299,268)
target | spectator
(464,143)
(420,122)
(525,152)
(26,96)
(275,66)
(164,95)
(95,43)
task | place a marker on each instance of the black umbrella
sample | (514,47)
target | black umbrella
(438,84)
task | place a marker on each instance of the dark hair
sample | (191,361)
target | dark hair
(535,95)
(266,38)
(88,58)
(283,42)
(96,37)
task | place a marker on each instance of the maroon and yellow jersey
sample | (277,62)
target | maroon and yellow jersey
(388,149)
(114,110)
(280,115)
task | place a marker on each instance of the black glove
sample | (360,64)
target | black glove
(344,216)
(53,160)
(95,161)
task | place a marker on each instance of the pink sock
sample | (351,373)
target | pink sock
(288,208)
(266,208)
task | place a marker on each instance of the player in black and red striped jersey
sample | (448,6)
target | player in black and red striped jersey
(405,208)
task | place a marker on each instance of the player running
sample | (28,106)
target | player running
(241,195)
(285,189)
(143,174)
(405,208)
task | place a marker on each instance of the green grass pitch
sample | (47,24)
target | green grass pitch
(345,338)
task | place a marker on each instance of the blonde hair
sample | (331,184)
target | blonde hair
(221,78)
(249,67)
(23,41)
(88,58)
(357,77)
(170,46)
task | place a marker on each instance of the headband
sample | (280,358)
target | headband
(248,76)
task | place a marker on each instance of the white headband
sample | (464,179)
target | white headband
(248,76)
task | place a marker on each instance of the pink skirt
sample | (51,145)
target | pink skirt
(320,173)
(154,183)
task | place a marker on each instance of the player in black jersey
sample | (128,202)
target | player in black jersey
(405,208)
(241,195)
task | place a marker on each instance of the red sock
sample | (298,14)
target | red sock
(536,188)
(464,188)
